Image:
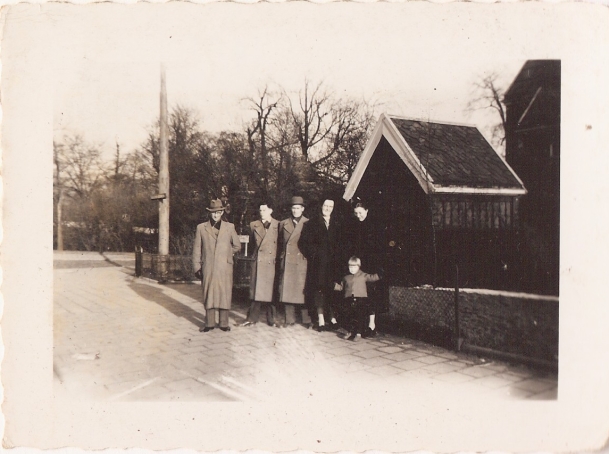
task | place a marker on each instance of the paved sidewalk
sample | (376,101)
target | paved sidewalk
(117,337)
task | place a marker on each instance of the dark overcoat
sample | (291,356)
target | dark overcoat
(265,255)
(214,257)
(321,246)
(366,240)
(293,264)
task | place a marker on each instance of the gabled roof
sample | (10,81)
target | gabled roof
(533,99)
(444,157)
(534,74)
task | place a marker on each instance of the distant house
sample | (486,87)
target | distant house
(446,198)
(533,150)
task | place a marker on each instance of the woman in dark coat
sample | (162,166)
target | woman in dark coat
(320,243)
(365,240)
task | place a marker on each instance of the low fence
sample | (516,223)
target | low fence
(512,326)
(164,267)
(178,268)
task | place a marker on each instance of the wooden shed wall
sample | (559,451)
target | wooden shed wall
(401,209)
(474,212)
(427,236)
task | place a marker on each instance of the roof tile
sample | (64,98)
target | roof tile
(456,155)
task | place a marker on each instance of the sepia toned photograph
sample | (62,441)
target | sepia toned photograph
(293,205)
(212,222)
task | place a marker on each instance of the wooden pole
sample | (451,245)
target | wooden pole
(163,177)
(59,221)
(457,327)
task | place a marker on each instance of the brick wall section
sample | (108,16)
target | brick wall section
(522,324)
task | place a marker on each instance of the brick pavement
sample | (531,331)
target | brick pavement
(117,337)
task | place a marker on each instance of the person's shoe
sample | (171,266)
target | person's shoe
(356,338)
(352,337)
(347,335)
(331,326)
(225,328)
(206,329)
(369,333)
(320,328)
(308,325)
(247,323)
(273,325)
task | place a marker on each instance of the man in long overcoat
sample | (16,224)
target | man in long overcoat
(293,265)
(263,235)
(212,257)
(320,242)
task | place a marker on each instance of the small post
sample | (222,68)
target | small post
(138,261)
(457,333)
(244,239)
(60,220)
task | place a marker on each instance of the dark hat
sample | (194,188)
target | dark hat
(215,205)
(297,200)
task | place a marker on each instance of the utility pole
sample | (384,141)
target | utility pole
(117,160)
(57,163)
(59,219)
(163,196)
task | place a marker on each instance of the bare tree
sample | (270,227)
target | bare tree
(137,168)
(79,172)
(352,121)
(488,94)
(81,165)
(312,117)
(264,106)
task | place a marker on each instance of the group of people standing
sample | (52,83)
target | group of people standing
(300,265)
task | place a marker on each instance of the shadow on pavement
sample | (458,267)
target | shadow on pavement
(412,330)
(240,300)
(122,262)
(64,264)
(151,293)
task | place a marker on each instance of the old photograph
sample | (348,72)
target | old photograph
(294,205)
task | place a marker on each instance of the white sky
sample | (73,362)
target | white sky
(107,71)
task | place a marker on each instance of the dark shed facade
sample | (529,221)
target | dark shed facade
(445,197)
(533,150)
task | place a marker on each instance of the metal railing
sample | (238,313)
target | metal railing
(512,326)
(164,267)
(178,268)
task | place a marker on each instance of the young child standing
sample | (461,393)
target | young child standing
(355,308)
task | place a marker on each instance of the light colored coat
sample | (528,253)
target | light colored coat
(214,256)
(293,263)
(355,284)
(265,254)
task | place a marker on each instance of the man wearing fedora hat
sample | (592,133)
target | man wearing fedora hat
(293,264)
(215,243)
(263,235)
